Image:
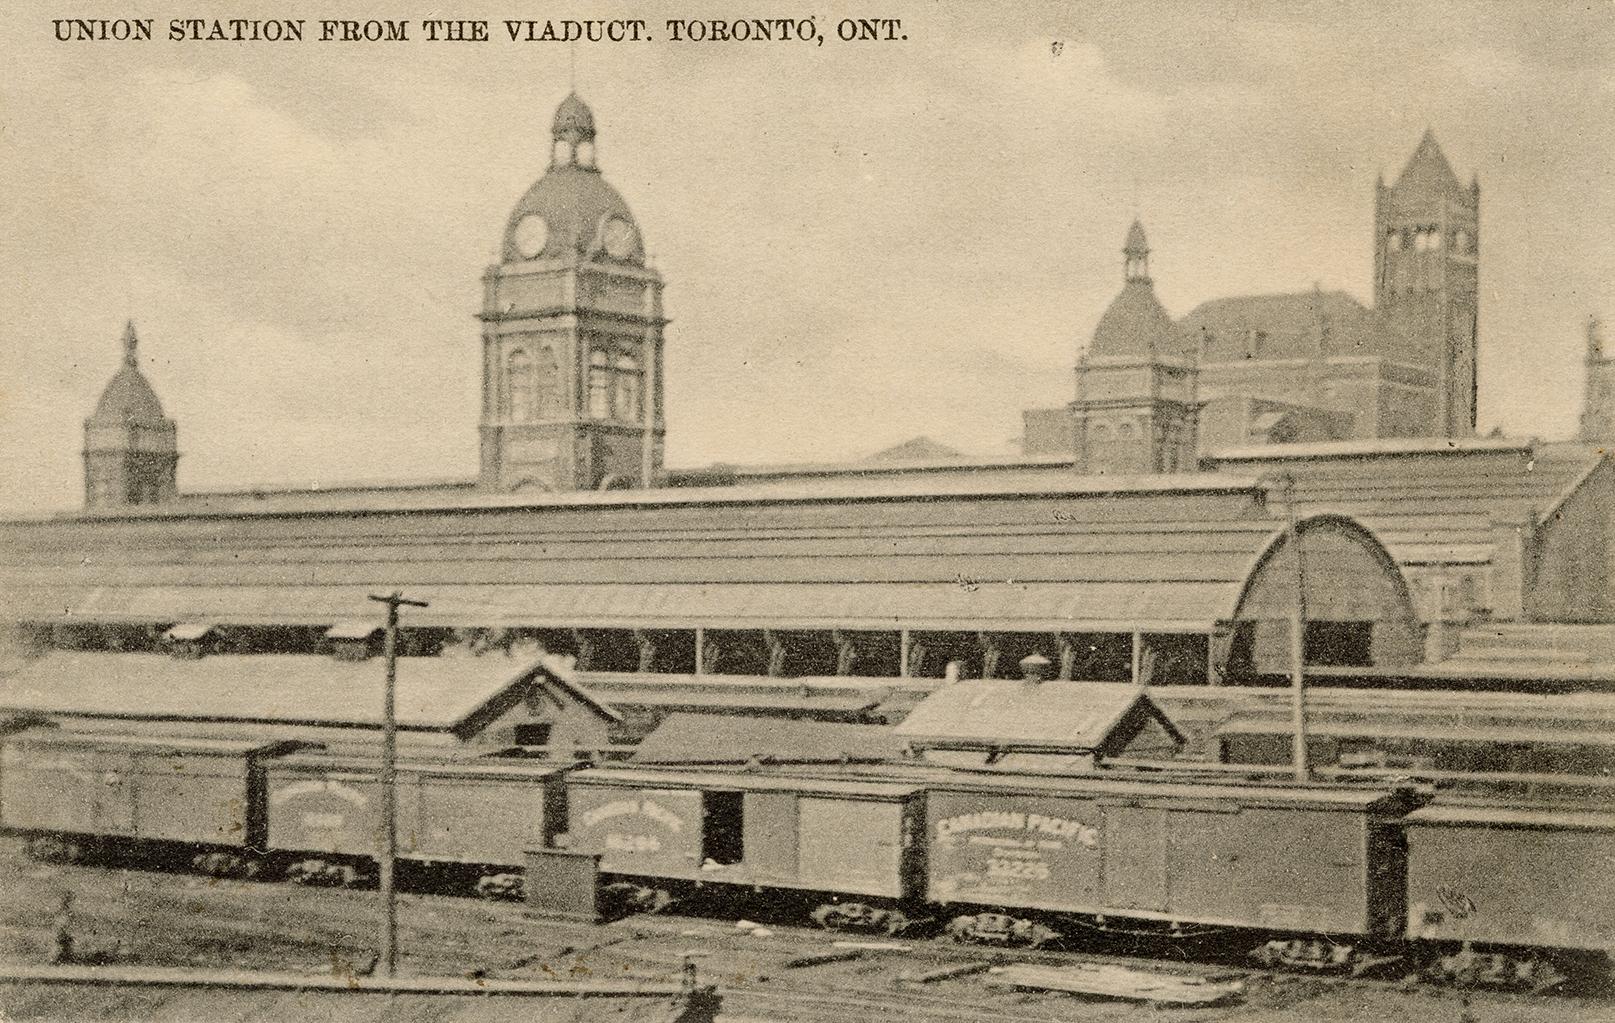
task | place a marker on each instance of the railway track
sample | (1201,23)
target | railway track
(181,920)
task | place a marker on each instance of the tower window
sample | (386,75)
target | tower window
(599,385)
(1393,240)
(625,398)
(547,382)
(519,385)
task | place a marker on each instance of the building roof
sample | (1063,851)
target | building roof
(1067,716)
(1427,170)
(1293,325)
(916,449)
(721,739)
(434,694)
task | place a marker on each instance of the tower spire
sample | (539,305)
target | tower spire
(1136,253)
(130,341)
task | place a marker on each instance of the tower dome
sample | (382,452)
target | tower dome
(571,212)
(1135,324)
(128,399)
(129,445)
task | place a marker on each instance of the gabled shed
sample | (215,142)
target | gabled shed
(485,701)
(1035,723)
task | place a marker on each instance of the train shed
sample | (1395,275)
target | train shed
(1175,579)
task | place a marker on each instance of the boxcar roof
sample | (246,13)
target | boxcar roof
(434,693)
(1457,815)
(1007,714)
(1330,797)
(1401,725)
(146,743)
(720,780)
(720,739)
(466,765)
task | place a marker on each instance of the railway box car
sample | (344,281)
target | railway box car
(852,836)
(452,809)
(188,790)
(1288,858)
(1512,876)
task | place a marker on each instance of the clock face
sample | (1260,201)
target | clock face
(620,238)
(531,234)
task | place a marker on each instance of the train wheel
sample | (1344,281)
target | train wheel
(1469,968)
(224,865)
(1000,929)
(1318,954)
(502,886)
(624,898)
(54,849)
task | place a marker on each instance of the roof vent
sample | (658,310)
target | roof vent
(1035,667)
(190,640)
(354,640)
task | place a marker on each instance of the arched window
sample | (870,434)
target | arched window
(519,386)
(547,383)
(625,390)
(599,385)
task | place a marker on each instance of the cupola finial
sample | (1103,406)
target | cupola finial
(1136,265)
(130,341)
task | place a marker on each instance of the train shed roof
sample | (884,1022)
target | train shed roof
(1429,500)
(1161,554)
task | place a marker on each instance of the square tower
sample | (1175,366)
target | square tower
(1426,265)
(572,332)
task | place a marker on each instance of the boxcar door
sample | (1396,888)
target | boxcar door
(770,839)
(1135,858)
(851,845)
(116,791)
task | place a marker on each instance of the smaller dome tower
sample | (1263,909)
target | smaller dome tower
(130,451)
(1137,409)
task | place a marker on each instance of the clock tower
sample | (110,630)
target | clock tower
(571,333)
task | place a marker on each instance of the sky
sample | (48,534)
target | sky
(862,241)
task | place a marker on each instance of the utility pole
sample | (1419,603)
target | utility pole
(389,787)
(1298,622)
